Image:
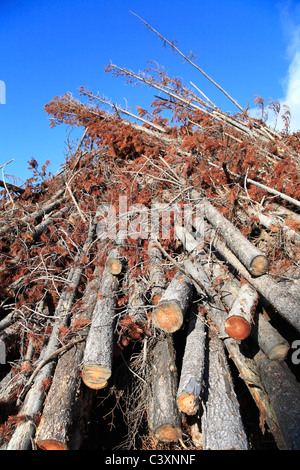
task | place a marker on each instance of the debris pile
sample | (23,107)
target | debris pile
(158,273)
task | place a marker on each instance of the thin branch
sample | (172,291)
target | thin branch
(189,60)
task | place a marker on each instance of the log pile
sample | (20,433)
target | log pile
(186,333)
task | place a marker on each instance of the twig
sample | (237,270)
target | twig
(262,186)
(75,202)
(189,60)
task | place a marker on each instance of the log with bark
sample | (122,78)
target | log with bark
(252,258)
(190,383)
(38,214)
(32,397)
(157,280)
(217,314)
(240,317)
(97,360)
(163,415)
(169,314)
(33,236)
(270,341)
(66,397)
(282,301)
(284,393)
(223,428)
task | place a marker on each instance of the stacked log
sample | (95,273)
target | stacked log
(97,359)
(164,419)
(190,320)
(222,427)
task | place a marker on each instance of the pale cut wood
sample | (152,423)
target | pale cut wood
(97,360)
(190,384)
(252,258)
(163,417)
(114,262)
(169,314)
(284,394)
(223,428)
(240,317)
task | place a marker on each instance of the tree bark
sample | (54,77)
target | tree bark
(163,418)
(97,360)
(57,428)
(157,278)
(222,424)
(284,394)
(33,236)
(251,257)
(217,310)
(240,317)
(38,214)
(136,302)
(34,391)
(192,369)
(169,314)
(266,336)
(286,305)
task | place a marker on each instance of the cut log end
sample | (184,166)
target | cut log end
(114,266)
(156,299)
(279,352)
(168,317)
(259,265)
(95,376)
(168,433)
(51,444)
(188,403)
(237,327)
(28,238)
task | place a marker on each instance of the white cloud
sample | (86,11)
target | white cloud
(290,18)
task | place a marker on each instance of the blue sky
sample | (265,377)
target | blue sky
(50,47)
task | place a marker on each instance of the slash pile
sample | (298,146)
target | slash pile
(189,342)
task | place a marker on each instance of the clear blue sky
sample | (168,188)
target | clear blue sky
(49,47)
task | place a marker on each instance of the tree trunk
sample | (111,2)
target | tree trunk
(217,310)
(222,424)
(163,418)
(284,394)
(33,236)
(240,318)
(269,340)
(38,214)
(266,336)
(286,305)
(192,369)
(136,302)
(169,314)
(252,258)
(98,354)
(35,396)
(157,278)
(56,428)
